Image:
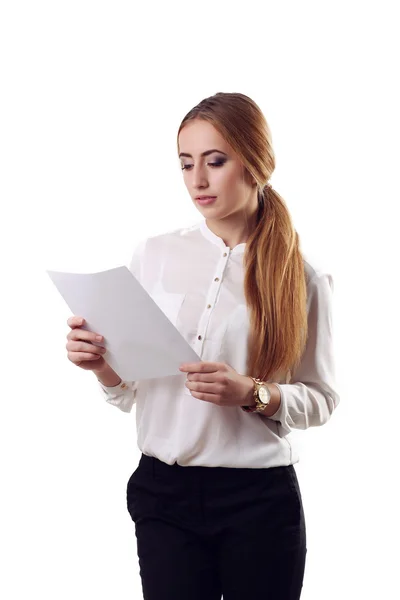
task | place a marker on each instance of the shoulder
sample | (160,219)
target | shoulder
(317,272)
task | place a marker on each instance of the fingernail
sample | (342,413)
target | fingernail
(99,338)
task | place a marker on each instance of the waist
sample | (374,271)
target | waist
(213,475)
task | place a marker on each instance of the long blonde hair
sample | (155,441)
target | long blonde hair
(274,280)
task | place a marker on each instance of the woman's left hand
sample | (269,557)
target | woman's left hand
(218,383)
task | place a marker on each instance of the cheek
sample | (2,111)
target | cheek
(225,177)
(228,180)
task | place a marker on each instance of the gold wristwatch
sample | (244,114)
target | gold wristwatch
(262,397)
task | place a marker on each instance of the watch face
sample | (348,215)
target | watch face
(264,394)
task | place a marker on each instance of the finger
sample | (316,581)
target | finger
(83,334)
(75,321)
(204,377)
(201,367)
(73,346)
(77,357)
(214,389)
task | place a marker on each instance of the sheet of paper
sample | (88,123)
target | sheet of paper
(141,341)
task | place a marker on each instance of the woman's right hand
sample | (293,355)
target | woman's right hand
(81,351)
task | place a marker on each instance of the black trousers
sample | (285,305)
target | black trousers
(204,532)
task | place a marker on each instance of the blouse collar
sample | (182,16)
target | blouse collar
(215,239)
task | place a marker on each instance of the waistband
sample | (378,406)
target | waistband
(157,468)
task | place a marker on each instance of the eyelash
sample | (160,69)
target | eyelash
(214,164)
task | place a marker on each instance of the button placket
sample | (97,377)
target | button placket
(204,321)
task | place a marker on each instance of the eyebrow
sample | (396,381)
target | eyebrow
(206,153)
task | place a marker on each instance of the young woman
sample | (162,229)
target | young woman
(215,497)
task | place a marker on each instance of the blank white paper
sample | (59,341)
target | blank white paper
(141,341)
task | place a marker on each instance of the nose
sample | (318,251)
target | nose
(199,178)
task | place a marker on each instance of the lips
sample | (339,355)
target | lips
(205,199)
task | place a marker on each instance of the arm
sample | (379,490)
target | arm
(312,397)
(117,392)
(274,403)
(107,376)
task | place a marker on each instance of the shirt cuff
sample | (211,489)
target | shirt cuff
(280,414)
(115,389)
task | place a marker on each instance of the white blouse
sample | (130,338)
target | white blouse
(197,281)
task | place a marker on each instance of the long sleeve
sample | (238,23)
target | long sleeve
(312,397)
(123,395)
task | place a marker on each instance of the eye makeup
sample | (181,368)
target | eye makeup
(217,163)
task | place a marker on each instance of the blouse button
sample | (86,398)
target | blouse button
(123,385)
(224,254)
(216,279)
(199,337)
(208,305)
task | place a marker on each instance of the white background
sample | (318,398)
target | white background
(92,94)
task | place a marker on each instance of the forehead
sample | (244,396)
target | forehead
(198,136)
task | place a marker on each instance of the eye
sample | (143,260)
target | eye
(217,163)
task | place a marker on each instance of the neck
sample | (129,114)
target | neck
(234,229)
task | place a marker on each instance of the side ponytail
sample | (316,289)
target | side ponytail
(275,290)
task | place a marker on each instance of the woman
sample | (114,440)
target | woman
(215,497)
